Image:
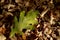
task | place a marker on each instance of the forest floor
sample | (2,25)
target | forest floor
(48,27)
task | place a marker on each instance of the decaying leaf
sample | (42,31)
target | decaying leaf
(2,37)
